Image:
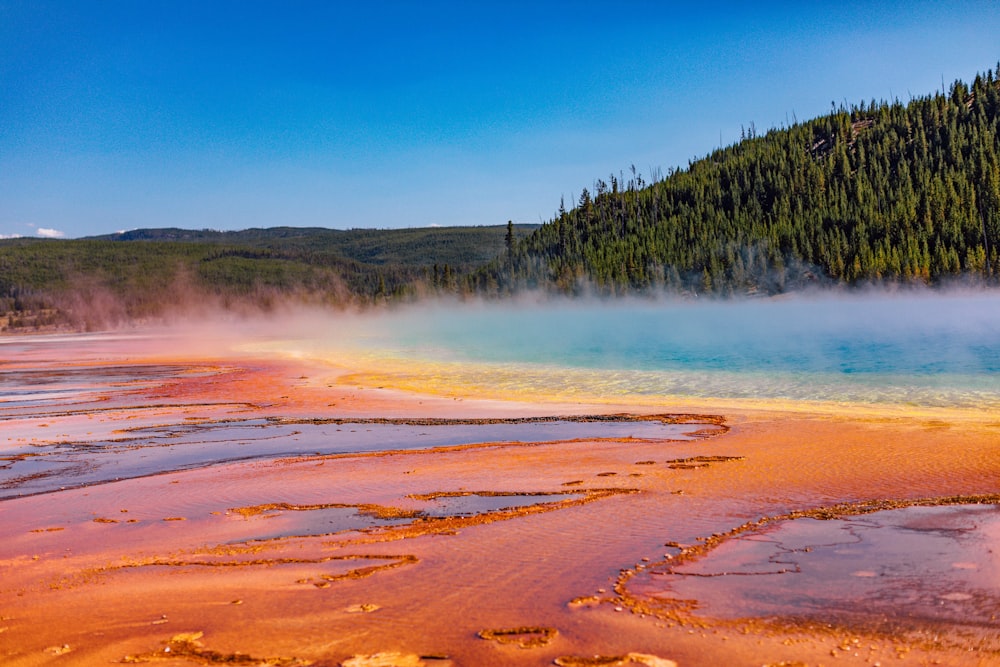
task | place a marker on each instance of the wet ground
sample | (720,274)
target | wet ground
(176,510)
(924,572)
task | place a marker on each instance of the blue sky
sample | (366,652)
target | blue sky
(227,115)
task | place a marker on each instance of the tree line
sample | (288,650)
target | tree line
(874,192)
(143,274)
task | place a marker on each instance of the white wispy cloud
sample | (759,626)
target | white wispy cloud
(48,233)
(10,236)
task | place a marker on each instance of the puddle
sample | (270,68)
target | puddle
(446,505)
(39,466)
(284,520)
(42,387)
(302,571)
(893,571)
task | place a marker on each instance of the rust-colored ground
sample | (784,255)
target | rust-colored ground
(331,560)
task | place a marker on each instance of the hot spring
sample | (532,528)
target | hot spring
(918,349)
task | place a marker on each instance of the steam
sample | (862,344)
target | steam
(645,333)
(924,347)
(927,332)
(929,347)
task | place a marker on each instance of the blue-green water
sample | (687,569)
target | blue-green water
(918,349)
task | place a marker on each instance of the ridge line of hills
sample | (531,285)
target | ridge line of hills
(872,193)
(143,274)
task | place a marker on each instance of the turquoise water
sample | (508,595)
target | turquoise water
(918,349)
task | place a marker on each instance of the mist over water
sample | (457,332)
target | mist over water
(928,349)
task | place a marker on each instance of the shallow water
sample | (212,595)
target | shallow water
(302,521)
(34,464)
(894,571)
(920,349)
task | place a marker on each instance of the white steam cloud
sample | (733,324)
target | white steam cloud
(48,233)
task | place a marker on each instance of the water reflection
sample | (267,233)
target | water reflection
(911,570)
(38,465)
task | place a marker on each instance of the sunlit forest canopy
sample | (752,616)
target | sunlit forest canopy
(871,192)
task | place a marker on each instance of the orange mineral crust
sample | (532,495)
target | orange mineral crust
(237,507)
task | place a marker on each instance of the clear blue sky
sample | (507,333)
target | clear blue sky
(227,115)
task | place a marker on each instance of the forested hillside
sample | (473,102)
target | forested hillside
(878,192)
(145,273)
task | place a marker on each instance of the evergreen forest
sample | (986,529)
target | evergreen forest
(148,273)
(871,193)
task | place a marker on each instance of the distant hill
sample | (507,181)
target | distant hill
(873,193)
(458,247)
(143,273)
